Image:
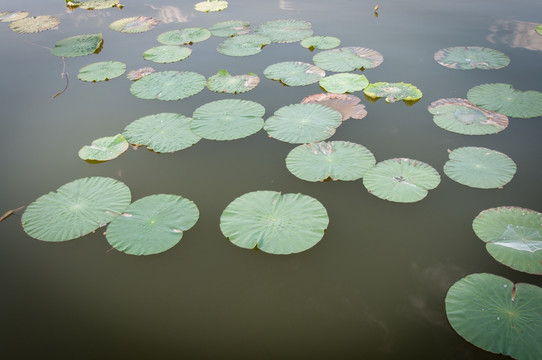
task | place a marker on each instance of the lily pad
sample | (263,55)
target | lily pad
(480,167)
(79,45)
(211,5)
(320,42)
(102,71)
(303,123)
(393,91)
(462,117)
(336,160)
(10,16)
(348,59)
(34,24)
(134,25)
(163,133)
(223,82)
(99,4)
(167,53)
(243,45)
(285,31)
(104,149)
(186,36)
(539,29)
(294,73)
(152,225)
(168,85)
(506,100)
(347,105)
(230,28)
(76,209)
(228,119)
(497,315)
(139,73)
(513,236)
(342,83)
(471,57)
(401,180)
(273,222)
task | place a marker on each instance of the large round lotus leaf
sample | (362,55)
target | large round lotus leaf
(347,105)
(243,45)
(273,222)
(462,117)
(338,160)
(471,57)
(513,236)
(230,28)
(104,149)
(184,36)
(285,31)
(320,42)
(232,84)
(99,4)
(348,59)
(294,73)
(139,73)
(497,315)
(393,91)
(342,83)
(102,71)
(228,119)
(10,16)
(504,99)
(78,45)
(167,53)
(164,132)
(211,5)
(152,225)
(539,29)
(76,209)
(401,180)
(133,25)
(34,24)
(479,167)
(303,123)
(168,85)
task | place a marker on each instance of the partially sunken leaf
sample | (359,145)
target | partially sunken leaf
(232,84)
(342,83)
(228,119)
(102,71)
(168,85)
(184,37)
(211,5)
(230,28)
(320,42)
(285,31)
(133,25)
(348,59)
(480,167)
(99,4)
(76,209)
(462,117)
(513,236)
(167,53)
(504,99)
(104,149)
(336,160)
(243,45)
(152,225)
(497,315)
(34,24)
(294,73)
(347,105)
(393,91)
(139,73)
(13,15)
(79,45)
(471,57)
(273,222)
(401,180)
(163,133)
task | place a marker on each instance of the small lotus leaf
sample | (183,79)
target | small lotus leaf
(342,83)
(232,84)
(167,53)
(211,5)
(34,24)
(273,222)
(285,31)
(539,29)
(152,225)
(294,73)
(393,91)
(504,99)
(133,25)
(10,16)
(243,45)
(104,149)
(79,45)
(184,37)
(480,167)
(348,59)
(230,28)
(139,73)
(320,42)
(471,57)
(102,71)
(99,4)
(168,85)
(347,105)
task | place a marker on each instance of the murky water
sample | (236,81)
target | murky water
(374,286)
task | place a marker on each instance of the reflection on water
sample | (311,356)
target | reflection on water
(516,34)
(286,5)
(169,14)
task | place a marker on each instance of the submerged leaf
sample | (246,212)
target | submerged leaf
(230,28)
(167,53)
(10,16)
(243,45)
(133,25)
(99,4)
(232,84)
(345,82)
(347,105)
(471,57)
(294,73)
(184,37)
(102,71)
(104,149)
(139,73)
(504,99)
(348,59)
(211,5)
(79,45)
(393,91)
(285,31)
(168,85)
(34,24)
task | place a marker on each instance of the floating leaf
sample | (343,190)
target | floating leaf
(393,91)
(285,31)
(462,117)
(211,5)
(139,73)
(104,149)
(164,132)
(342,83)
(167,53)
(320,42)
(497,315)
(79,45)
(401,180)
(168,85)
(539,29)
(479,167)
(228,119)
(504,99)
(347,105)
(34,24)
(133,25)
(184,36)
(273,222)
(513,236)
(230,28)
(152,225)
(232,84)
(348,59)
(471,57)
(10,16)
(102,71)
(243,45)
(294,73)
(99,4)
(75,209)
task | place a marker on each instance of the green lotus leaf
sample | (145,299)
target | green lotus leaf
(342,83)
(99,4)
(168,85)
(211,5)
(134,25)
(471,57)
(10,16)
(401,180)
(480,167)
(184,37)
(539,29)
(320,42)
(167,53)
(497,315)
(336,160)
(243,45)
(232,84)
(348,105)
(393,91)
(462,117)
(104,149)
(76,209)
(303,123)
(102,71)
(506,100)
(294,73)
(163,133)
(152,225)
(348,59)
(34,24)
(513,236)
(285,31)
(273,222)
(230,28)
(139,73)
(228,119)
(79,45)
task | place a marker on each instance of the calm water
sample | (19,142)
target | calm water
(373,288)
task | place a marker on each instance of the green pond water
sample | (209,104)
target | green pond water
(373,288)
